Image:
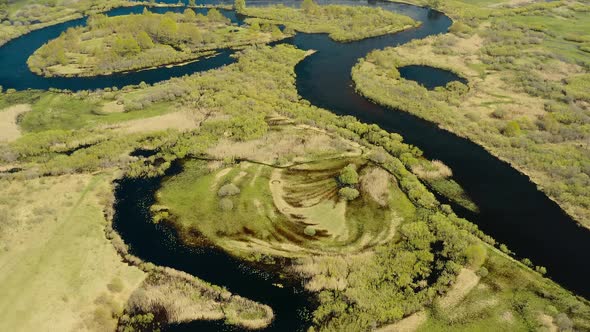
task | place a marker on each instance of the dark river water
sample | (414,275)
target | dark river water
(429,77)
(512,209)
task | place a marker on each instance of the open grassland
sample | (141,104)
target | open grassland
(342,23)
(132,42)
(527,96)
(57,269)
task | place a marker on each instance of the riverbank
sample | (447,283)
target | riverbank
(520,124)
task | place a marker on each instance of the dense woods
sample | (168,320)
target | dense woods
(114,44)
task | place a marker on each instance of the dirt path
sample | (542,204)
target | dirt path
(9,130)
(466,281)
(408,324)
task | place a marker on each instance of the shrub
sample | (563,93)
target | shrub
(564,322)
(226,204)
(348,175)
(309,231)
(512,129)
(229,189)
(348,193)
(541,269)
(482,272)
(476,255)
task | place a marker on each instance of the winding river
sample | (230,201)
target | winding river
(512,209)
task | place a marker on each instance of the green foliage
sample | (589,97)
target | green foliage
(343,23)
(229,189)
(240,5)
(126,45)
(139,322)
(476,255)
(309,231)
(226,204)
(512,129)
(348,175)
(113,44)
(309,6)
(348,193)
(578,87)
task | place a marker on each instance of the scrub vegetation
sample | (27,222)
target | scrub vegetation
(267,177)
(342,23)
(131,42)
(527,97)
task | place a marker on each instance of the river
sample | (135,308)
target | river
(511,208)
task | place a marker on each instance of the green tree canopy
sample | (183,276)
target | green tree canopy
(348,175)
(240,5)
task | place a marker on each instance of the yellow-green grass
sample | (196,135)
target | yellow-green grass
(58,272)
(64,111)
(290,210)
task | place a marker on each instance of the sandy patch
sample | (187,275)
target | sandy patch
(293,144)
(113,107)
(182,121)
(376,182)
(9,130)
(465,282)
(408,324)
(548,323)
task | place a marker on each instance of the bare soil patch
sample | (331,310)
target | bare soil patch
(9,130)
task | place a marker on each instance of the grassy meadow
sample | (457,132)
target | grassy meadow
(57,268)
